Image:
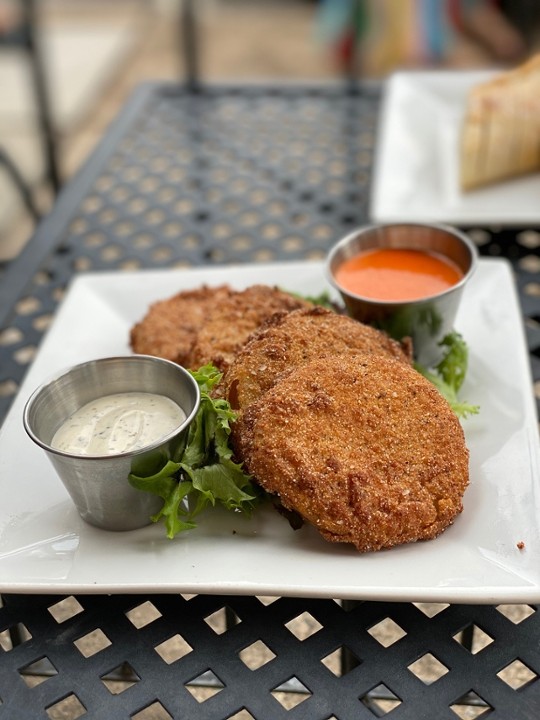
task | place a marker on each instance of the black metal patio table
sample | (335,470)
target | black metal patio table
(208,176)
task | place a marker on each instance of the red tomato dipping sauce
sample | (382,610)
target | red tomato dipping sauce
(396,274)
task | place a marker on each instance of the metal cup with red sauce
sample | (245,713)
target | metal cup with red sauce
(404,278)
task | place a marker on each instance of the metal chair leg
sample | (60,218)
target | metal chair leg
(20,184)
(189,35)
(41,94)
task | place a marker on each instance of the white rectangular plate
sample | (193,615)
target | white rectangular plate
(416,166)
(46,547)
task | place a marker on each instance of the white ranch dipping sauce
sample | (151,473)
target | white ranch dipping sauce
(118,423)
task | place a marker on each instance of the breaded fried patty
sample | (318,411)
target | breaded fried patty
(363,447)
(170,326)
(228,324)
(208,325)
(288,340)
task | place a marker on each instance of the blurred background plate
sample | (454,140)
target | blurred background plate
(417,159)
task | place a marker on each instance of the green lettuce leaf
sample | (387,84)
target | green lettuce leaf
(448,375)
(205,473)
(322,299)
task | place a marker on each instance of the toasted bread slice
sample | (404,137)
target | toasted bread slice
(501,132)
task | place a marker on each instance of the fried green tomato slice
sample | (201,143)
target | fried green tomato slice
(287,341)
(363,447)
(228,325)
(169,328)
(207,324)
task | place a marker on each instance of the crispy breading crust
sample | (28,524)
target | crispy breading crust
(228,324)
(361,446)
(209,324)
(288,340)
(169,328)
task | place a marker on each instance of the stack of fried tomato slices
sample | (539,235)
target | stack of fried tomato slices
(332,417)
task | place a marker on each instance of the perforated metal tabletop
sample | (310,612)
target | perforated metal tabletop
(236,175)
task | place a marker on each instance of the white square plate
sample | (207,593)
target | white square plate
(46,547)
(416,167)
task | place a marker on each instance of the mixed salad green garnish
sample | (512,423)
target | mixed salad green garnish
(323,299)
(204,473)
(449,373)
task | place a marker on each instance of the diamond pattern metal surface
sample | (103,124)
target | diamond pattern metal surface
(212,680)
